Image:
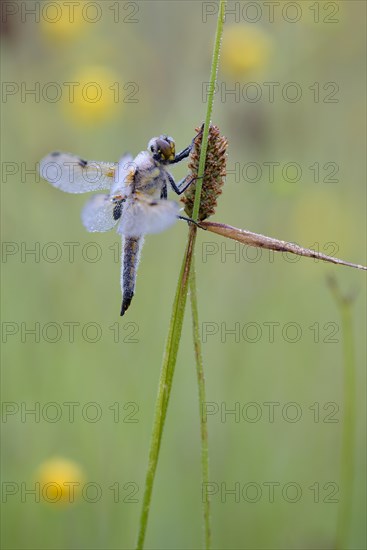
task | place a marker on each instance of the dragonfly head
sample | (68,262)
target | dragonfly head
(162,149)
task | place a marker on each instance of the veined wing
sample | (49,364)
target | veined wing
(99,213)
(72,174)
(124,178)
(141,216)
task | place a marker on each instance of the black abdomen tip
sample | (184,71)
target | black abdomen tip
(126,303)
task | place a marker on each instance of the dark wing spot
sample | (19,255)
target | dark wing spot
(55,154)
(117,210)
(82,163)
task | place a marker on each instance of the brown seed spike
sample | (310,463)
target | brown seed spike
(215,171)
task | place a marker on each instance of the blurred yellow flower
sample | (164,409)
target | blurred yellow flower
(93,95)
(63,20)
(245,49)
(60,480)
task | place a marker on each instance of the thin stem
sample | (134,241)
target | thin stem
(212,85)
(349,420)
(165,382)
(202,401)
(193,293)
(175,328)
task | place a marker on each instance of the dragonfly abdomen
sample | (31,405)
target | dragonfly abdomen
(130,261)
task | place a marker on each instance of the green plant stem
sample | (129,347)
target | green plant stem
(193,293)
(212,85)
(175,328)
(165,382)
(202,401)
(349,419)
(348,437)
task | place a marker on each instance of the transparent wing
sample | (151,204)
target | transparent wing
(72,174)
(97,214)
(142,216)
(125,172)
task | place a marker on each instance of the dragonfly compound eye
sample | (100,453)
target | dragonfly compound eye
(166,148)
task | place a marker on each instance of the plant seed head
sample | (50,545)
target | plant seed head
(215,171)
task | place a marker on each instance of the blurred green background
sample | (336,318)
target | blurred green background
(159,55)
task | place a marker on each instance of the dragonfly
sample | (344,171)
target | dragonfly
(136,201)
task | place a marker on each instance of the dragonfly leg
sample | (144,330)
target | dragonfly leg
(183,184)
(190,220)
(185,152)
